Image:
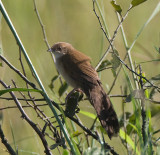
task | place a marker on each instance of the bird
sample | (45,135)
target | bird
(76,69)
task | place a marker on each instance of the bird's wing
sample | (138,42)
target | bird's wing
(81,70)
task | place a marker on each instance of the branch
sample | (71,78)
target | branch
(41,24)
(114,81)
(88,131)
(22,99)
(114,35)
(45,36)
(139,75)
(111,46)
(32,124)
(9,23)
(18,72)
(24,106)
(155,102)
(5,142)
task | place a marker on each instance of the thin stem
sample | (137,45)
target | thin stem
(5,142)
(30,122)
(103,19)
(114,35)
(6,17)
(17,71)
(41,24)
(128,52)
(45,35)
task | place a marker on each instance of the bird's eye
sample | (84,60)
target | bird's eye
(59,49)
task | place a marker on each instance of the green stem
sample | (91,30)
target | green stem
(103,19)
(6,17)
(128,52)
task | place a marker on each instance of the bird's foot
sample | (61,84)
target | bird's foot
(72,92)
(71,102)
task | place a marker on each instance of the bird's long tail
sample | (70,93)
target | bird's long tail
(105,111)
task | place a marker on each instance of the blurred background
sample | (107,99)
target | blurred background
(74,22)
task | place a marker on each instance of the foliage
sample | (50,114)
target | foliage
(72,128)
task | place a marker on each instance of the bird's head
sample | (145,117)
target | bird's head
(60,49)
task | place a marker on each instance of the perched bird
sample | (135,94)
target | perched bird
(76,69)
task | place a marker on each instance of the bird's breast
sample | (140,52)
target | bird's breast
(65,74)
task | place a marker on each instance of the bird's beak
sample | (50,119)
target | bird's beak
(49,50)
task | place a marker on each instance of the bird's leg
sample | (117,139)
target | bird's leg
(70,93)
(71,102)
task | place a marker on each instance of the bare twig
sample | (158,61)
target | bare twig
(117,95)
(157,88)
(18,72)
(111,46)
(99,70)
(42,99)
(78,122)
(41,114)
(30,122)
(153,101)
(45,36)
(114,35)
(5,142)
(24,106)
(20,59)
(114,81)
(41,24)
(23,69)
(22,99)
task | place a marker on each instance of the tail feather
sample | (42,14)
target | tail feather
(105,111)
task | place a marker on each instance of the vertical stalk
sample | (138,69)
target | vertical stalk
(129,53)
(6,17)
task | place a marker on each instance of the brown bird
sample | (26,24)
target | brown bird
(76,69)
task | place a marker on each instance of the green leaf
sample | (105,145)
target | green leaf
(152,93)
(128,140)
(76,133)
(65,152)
(62,89)
(154,13)
(115,62)
(155,80)
(123,119)
(131,127)
(137,94)
(20,90)
(51,85)
(88,114)
(116,7)
(157,49)
(114,72)
(104,64)
(137,2)
(101,129)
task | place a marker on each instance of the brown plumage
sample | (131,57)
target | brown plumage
(76,69)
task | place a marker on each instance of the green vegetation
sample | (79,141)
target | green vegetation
(121,37)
